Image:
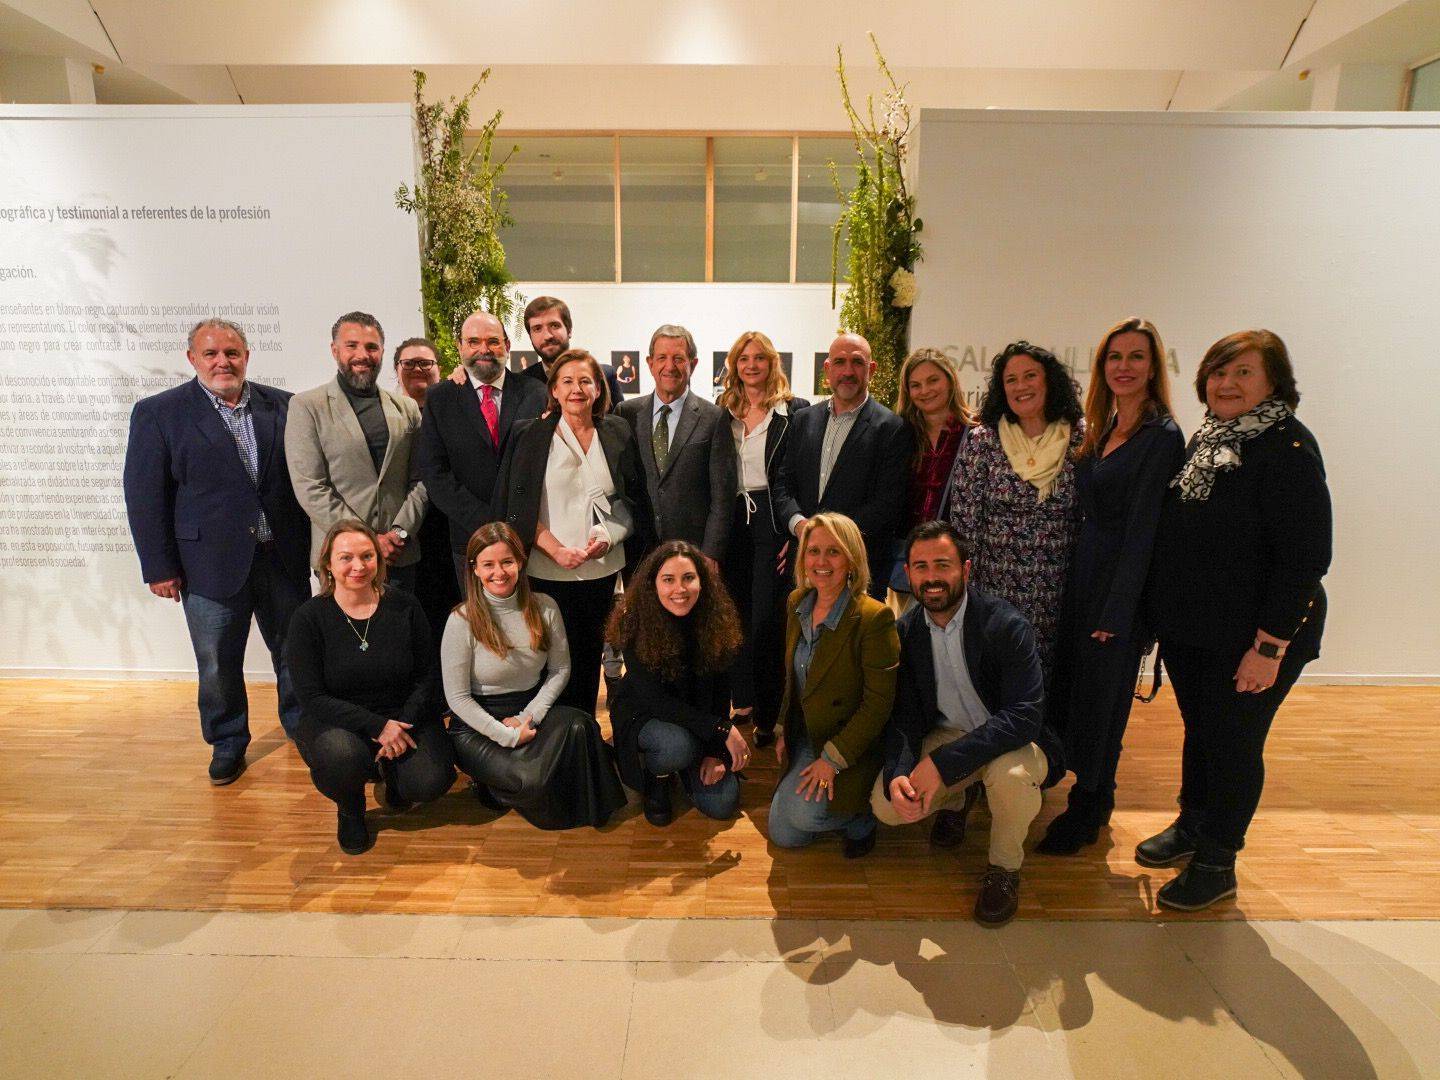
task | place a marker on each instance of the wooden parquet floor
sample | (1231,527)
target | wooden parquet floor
(104,804)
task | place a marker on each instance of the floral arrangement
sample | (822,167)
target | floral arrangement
(461,210)
(878,219)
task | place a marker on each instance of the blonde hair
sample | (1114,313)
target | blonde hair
(908,410)
(322,562)
(477,611)
(732,392)
(1100,399)
(847,535)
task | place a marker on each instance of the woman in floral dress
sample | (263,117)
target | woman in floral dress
(1013,487)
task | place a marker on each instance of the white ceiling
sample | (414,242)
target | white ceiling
(720,64)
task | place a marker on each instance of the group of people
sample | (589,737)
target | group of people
(910,606)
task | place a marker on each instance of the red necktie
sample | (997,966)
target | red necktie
(490,412)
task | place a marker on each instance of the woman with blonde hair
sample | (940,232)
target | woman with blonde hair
(1132,448)
(504,660)
(756,394)
(842,653)
(363,664)
(932,402)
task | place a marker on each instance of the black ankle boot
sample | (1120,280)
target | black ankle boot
(1197,887)
(353,834)
(1166,848)
(1078,825)
(656,799)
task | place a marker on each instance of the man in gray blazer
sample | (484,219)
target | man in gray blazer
(686,446)
(349,443)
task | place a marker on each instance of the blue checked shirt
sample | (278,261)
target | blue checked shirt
(241,425)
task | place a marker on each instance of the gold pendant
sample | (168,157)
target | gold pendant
(1032,461)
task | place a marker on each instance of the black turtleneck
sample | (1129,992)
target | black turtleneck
(371,414)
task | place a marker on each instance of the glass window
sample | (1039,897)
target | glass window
(562,197)
(819,207)
(1425,87)
(662,209)
(752,209)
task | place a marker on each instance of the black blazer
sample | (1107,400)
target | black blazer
(693,497)
(1251,556)
(458,460)
(193,510)
(537,371)
(521,482)
(1005,670)
(869,483)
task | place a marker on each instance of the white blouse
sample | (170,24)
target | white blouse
(575,505)
(750,449)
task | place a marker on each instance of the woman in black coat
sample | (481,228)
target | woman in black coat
(1235,597)
(571,487)
(1132,450)
(757,396)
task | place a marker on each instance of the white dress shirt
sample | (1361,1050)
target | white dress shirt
(955,694)
(675,407)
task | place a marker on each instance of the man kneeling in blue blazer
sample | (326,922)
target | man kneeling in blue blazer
(968,710)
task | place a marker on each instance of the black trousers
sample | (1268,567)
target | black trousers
(757,678)
(1100,685)
(1223,767)
(342,762)
(584,605)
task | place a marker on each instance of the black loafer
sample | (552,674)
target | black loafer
(353,835)
(1197,887)
(226,770)
(999,897)
(656,800)
(858,849)
(949,828)
(1165,848)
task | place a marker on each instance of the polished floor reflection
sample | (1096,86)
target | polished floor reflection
(197,994)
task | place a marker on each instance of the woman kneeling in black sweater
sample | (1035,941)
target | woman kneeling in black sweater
(364,668)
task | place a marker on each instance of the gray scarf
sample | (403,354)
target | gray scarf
(1217,447)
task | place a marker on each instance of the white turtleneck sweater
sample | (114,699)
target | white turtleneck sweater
(471,671)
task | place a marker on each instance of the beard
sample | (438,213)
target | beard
(950,596)
(485,366)
(361,380)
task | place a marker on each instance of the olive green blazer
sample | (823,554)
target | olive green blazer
(848,693)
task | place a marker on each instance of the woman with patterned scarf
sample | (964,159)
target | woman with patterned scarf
(1235,599)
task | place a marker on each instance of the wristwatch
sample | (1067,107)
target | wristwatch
(401,533)
(1269,650)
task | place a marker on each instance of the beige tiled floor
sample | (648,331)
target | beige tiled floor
(184,994)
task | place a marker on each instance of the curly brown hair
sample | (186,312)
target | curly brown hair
(642,629)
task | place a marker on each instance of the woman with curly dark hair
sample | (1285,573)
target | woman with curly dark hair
(679,631)
(1013,487)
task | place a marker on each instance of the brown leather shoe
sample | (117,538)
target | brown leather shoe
(949,828)
(999,897)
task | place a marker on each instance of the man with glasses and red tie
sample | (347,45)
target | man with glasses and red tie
(465,425)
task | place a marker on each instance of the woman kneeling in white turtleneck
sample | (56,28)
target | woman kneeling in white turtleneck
(504,659)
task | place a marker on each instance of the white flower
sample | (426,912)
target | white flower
(903,282)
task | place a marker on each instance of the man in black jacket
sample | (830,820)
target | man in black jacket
(547,321)
(968,705)
(851,456)
(464,428)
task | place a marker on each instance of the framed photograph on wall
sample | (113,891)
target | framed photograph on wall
(821,387)
(626,363)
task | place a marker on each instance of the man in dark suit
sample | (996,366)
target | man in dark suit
(686,447)
(969,700)
(217,527)
(465,426)
(547,321)
(851,456)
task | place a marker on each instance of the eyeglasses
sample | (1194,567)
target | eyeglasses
(418,364)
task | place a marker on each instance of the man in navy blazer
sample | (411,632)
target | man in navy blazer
(969,702)
(217,527)
(851,456)
(465,427)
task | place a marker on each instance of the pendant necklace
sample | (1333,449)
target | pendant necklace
(364,638)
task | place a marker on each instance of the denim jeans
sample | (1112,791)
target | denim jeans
(219,630)
(794,822)
(668,748)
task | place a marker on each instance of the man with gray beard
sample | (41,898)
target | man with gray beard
(466,427)
(349,444)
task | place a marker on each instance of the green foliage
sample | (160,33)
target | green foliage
(878,219)
(461,210)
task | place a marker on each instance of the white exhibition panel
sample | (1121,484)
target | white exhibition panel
(120,227)
(1324,228)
